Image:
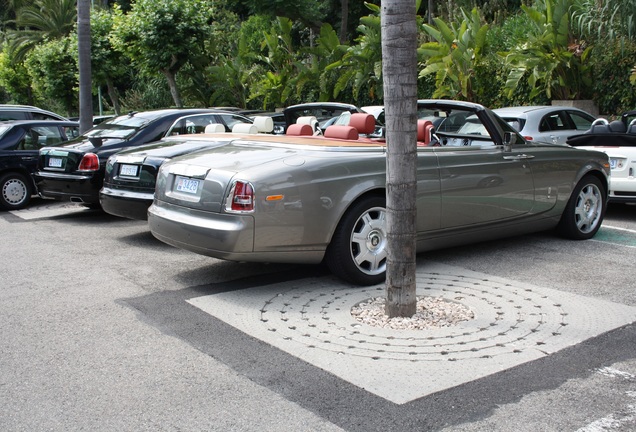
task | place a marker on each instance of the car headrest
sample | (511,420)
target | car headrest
(341,132)
(299,129)
(631,129)
(309,120)
(214,128)
(264,124)
(617,126)
(363,122)
(244,128)
(600,126)
(424,131)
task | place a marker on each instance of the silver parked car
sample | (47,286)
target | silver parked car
(305,199)
(550,124)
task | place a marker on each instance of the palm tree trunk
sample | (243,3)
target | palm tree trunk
(84,64)
(344,20)
(399,68)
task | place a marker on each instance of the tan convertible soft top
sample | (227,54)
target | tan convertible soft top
(318,141)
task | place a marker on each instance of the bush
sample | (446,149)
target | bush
(611,67)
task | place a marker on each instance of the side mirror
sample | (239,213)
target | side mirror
(507,142)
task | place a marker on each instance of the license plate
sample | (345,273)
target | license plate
(128,170)
(55,162)
(187,185)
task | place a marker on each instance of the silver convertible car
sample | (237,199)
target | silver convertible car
(302,198)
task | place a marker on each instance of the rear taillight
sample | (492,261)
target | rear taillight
(241,197)
(90,162)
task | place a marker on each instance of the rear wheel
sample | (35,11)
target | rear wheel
(357,252)
(585,210)
(15,191)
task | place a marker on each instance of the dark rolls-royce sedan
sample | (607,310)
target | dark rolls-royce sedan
(74,171)
(20,142)
(308,199)
(129,180)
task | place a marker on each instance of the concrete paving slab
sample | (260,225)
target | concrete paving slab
(514,323)
(49,209)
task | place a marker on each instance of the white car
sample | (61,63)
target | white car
(549,124)
(618,140)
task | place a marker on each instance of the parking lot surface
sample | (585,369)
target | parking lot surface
(106,328)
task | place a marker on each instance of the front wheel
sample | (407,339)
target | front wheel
(585,210)
(15,191)
(357,252)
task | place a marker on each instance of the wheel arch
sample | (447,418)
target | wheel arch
(598,173)
(24,172)
(375,192)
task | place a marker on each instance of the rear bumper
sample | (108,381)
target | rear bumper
(622,190)
(76,188)
(126,204)
(229,237)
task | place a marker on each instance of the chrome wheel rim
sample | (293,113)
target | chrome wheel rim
(368,241)
(14,192)
(589,208)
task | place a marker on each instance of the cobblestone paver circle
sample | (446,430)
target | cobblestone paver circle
(508,319)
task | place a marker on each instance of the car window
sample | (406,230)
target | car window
(552,122)
(194,124)
(581,122)
(463,128)
(453,121)
(42,136)
(516,123)
(322,114)
(71,131)
(12,115)
(230,120)
(42,116)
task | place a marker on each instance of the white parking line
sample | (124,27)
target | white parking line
(619,228)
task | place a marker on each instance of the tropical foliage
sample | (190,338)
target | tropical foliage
(454,55)
(266,55)
(552,61)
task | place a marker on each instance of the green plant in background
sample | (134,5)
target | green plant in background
(361,66)
(15,79)
(454,55)
(38,22)
(612,64)
(276,82)
(609,22)
(552,61)
(161,36)
(317,79)
(53,70)
(108,65)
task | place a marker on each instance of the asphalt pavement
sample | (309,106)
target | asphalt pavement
(105,328)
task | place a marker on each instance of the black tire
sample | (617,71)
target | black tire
(357,252)
(584,212)
(15,191)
